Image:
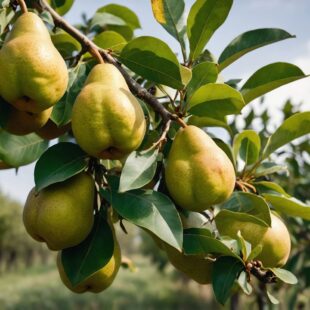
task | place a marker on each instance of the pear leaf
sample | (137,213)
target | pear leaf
(139,170)
(285,275)
(18,151)
(151,210)
(291,129)
(59,163)
(244,284)
(91,255)
(226,270)
(272,299)
(249,41)
(204,18)
(289,206)
(153,59)
(269,78)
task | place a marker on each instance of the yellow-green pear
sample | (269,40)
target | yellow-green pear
(198,173)
(61,214)
(275,240)
(98,281)
(107,120)
(195,267)
(21,122)
(33,74)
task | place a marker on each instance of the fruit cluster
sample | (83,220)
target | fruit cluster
(108,123)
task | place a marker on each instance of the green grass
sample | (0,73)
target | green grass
(40,289)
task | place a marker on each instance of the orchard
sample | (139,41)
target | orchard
(129,120)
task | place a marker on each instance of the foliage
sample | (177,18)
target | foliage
(190,92)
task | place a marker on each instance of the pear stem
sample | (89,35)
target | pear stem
(139,91)
(97,55)
(180,122)
(23,6)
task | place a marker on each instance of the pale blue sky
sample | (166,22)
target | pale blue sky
(291,15)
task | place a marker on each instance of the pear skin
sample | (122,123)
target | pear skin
(33,74)
(62,214)
(275,240)
(20,122)
(198,173)
(107,120)
(100,280)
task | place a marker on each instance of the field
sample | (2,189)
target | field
(40,289)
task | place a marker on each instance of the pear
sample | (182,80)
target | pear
(198,173)
(98,281)
(107,120)
(61,214)
(20,122)
(33,74)
(195,267)
(275,240)
(51,131)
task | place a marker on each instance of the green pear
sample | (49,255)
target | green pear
(107,120)
(275,240)
(21,123)
(195,267)
(33,74)
(198,173)
(98,281)
(61,214)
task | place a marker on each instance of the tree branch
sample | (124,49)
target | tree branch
(87,44)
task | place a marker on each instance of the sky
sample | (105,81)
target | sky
(290,15)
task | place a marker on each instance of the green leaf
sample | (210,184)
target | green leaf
(267,168)
(169,13)
(271,298)
(244,246)
(210,122)
(285,275)
(269,78)
(102,19)
(289,206)
(110,40)
(225,271)
(265,187)
(92,254)
(226,148)
(153,59)
(6,16)
(255,252)
(186,74)
(61,114)
(59,163)
(249,204)
(18,151)
(61,6)
(202,244)
(148,209)
(244,284)
(291,129)
(128,16)
(205,17)
(139,170)
(247,144)
(250,41)
(65,43)
(216,100)
(202,74)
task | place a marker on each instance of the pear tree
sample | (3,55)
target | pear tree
(130,121)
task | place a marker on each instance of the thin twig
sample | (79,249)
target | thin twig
(163,138)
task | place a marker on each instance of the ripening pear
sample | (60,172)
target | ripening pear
(33,74)
(107,120)
(195,267)
(275,240)
(21,123)
(198,173)
(98,281)
(61,214)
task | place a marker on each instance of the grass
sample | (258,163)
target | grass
(40,289)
